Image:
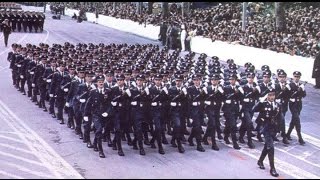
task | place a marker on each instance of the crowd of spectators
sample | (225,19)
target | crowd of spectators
(224,23)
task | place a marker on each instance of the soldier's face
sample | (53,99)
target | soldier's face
(282,79)
(157,82)
(61,68)
(178,83)
(109,78)
(232,81)
(120,82)
(89,79)
(271,97)
(81,75)
(140,82)
(250,80)
(266,79)
(196,82)
(296,79)
(214,82)
(100,83)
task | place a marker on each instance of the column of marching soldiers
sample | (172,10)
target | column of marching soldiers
(143,90)
(28,21)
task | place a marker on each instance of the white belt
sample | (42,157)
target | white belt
(175,104)
(278,100)
(247,100)
(48,80)
(156,104)
(18,65)
(31,72)
(294,100)
(229,101)
(195,103)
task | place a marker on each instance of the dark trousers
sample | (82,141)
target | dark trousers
(295,108)
(231,123)
(6,38)
(77,117)
(86,129)
(247,125)
(195,115)
(317,82)
(138,119)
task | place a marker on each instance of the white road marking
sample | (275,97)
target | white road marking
(10,175)
(47,36)
(15,148)
(283,166)
(11,139)
(22,159)
(24,169)
(55,163)
(309,139)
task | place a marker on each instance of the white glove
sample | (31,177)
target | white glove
(302,87)
(134,103)
(154,104)
(220,89)
(33,85)
(165,90)
(184,90)
(82,100)
(262,99)
(134,84)
(104,114)
(147,90)
(205,90)
(50,95)
(113,103)
(21,76)
(173,104)
(228,101)
(85,118)
(207,103)
(278,100)
(31,72)
(67,104)
(48,80)
(65,89)
(128,92)
(194,103)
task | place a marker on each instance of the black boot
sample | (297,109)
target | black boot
(101,154)
(89,145)
(129,139)
(134,144)
(95,145)
(180,147)
(173,142)
(161,150)
(259,137)
(262,156)
(153,145)
(205,137)
(285,140)
(273,171)
(289,131)
(163,137)
(190,139)
(120,152)
(146,139)
(199,146)
(234,141)
(142,152)
(114,145)
(301,141)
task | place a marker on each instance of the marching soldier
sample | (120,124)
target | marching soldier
(269,110)
(233,94)
(120,95)
(40,82)
(138,112)
(213,101)
(67,81)
(82,96)
(98,107)
(282,97)
(177,94)
(195,99)
(56,91)
(251,94)
(158,97)
(297,92)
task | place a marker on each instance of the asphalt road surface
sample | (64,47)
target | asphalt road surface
(34,145)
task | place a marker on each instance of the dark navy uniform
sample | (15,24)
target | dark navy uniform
(268,112)
(297,92)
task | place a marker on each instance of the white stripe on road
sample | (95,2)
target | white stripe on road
(22,159)
(47,36)
(309,139)
(15,148)
(283,166)
(11,139)
(24,169)
(55,163)
(10,175)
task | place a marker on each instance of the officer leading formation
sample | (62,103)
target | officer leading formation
(130,93)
